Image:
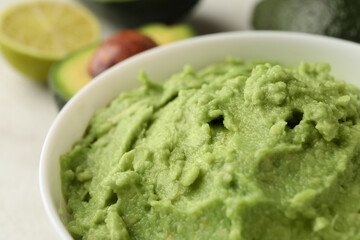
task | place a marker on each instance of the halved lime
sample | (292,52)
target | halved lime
(36,34)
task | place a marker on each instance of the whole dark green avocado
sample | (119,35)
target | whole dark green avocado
(134,13)
(336,18)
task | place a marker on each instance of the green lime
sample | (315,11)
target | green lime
(34,35)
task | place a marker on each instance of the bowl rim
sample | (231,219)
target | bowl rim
(50,209)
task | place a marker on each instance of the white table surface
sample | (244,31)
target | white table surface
(27,111)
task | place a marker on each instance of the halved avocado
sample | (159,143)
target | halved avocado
(163,34)
(69,75)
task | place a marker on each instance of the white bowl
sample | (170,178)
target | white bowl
(160,63)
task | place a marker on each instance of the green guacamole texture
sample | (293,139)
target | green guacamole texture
(237,150)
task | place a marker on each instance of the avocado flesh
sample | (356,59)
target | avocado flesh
(69,75)
(336,18)
(163,34)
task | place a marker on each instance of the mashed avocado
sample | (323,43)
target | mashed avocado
(239,150)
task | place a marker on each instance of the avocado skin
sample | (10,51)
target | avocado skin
(336,18)
(59,98)
(134,13)
(60,101)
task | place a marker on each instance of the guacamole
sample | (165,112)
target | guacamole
(237,150)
